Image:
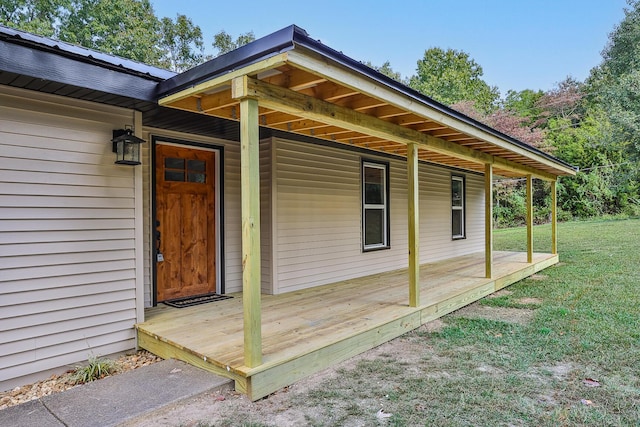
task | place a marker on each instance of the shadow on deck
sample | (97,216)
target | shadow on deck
(309,330)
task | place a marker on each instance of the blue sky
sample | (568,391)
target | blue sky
(520,44)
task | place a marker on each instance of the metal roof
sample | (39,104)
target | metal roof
(212,78)
(83,53)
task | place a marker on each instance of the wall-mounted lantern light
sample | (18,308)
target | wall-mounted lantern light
(126,146)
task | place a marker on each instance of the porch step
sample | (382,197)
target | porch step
(116,399)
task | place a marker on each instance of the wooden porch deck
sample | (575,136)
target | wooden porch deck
(308,330)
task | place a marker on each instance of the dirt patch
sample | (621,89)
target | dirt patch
(436,325)
(500,293)
(502,314)
(293,406)
(489,369)
(529,300)
(559,371)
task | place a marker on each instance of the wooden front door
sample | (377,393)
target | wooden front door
(185,220)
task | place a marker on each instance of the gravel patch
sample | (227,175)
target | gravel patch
(61,382)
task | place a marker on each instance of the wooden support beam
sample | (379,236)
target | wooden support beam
(314,62)
(250,184)
(529,219)
(554,218)
(288,101)
(488,220)
(413,225)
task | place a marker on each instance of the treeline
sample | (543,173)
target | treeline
(593,125)
(126,28)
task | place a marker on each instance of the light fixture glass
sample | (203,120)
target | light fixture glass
(126,146)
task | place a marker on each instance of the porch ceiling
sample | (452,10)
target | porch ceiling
(304,92)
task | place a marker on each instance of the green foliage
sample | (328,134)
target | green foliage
(182,42)
(127,28)
(510,203)
(35,16)
(223,42)
(94,370)
(615,84)
(622,53)
(451,77)
(621,98)
(387,71)
(524,104)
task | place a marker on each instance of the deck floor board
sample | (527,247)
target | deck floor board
(305,322)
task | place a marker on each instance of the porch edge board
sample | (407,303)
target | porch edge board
(268,381)
(525,272)
(454,303)
(167,350)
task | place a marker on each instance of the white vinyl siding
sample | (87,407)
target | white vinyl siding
(265,217)
(318,226)
(67,235)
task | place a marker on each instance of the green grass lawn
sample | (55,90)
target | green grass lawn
(474,371)
(581,328)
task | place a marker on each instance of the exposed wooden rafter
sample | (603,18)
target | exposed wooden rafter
(305,95)
(288,101)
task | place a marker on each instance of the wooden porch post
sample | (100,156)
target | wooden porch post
(413,225)
(529,219)
(554,218)
(250,182)
(488,220)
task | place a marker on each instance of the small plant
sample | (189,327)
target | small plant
(96,369)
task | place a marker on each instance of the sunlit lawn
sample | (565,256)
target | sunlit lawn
(487,372)
(575,362)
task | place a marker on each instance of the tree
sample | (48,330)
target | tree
(34,16)
(524,104)
(563,101)
(507,122)
(223,42)
(615,84)
(387,71)
(182,43)
(622,53)
(127,28)
(451,77)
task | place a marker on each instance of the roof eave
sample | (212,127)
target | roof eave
(345,61)
(256,51)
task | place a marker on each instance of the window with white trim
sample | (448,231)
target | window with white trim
(457,207)
(375,205)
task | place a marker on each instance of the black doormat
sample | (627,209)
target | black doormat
(195,300)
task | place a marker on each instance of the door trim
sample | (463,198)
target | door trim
(218,214)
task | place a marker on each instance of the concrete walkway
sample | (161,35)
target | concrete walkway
(116,399)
